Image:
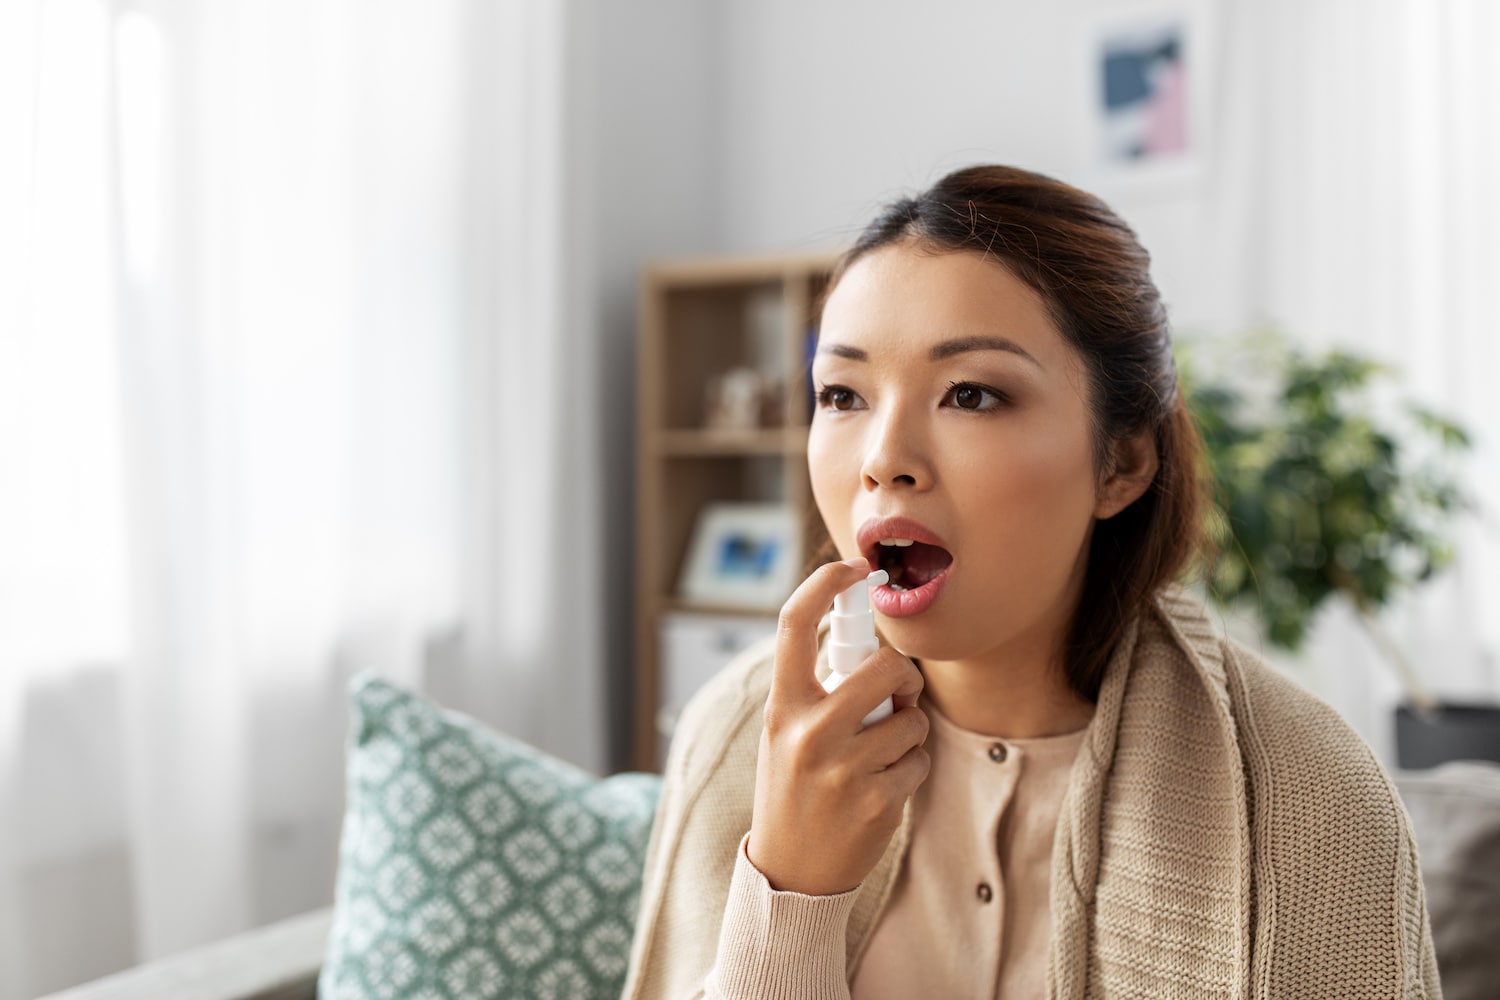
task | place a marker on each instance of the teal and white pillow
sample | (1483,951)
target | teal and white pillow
(474,866)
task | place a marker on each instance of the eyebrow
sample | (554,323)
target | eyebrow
(964,345)
(947,349)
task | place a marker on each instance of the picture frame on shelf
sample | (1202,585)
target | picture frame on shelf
(742,555)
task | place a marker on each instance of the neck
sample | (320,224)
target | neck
(1018,698)
(1018,690)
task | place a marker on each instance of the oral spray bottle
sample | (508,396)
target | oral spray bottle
(852,637)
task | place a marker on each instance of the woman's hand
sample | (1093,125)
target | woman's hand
(829,794)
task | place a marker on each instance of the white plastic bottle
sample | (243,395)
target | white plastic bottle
(851,637)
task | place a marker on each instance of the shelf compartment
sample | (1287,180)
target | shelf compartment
(700,319)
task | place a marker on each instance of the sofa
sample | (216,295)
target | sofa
(1455,812)
(278,962)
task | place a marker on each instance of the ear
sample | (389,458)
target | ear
(1131,469)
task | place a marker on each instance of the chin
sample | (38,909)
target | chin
(926,639)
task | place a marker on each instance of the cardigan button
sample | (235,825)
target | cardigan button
(984,892)
(998,753)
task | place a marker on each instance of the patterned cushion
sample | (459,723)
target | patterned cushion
(474,866)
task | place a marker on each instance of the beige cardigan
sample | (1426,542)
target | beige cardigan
(1224,834)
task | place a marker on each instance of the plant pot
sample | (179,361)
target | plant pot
(1452,732)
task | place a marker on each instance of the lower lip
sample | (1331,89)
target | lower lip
(906,603)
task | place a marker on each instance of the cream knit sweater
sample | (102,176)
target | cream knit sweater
(1224,834)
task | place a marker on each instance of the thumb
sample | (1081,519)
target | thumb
(794,676)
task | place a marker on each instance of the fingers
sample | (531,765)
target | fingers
(904,701)
(908,772)
(838,721)
(884,674)
(882,745)
(797,629)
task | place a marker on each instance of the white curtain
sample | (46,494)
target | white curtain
(289,388)
(1355,203)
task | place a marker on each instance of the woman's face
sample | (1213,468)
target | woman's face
(952,413)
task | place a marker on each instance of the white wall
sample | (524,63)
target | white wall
(648,126)
(832,108)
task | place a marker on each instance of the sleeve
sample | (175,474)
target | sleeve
(776,944)
(705,808)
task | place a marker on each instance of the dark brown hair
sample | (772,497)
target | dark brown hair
(1094,276)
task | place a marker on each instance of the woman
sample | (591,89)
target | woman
(1083,791)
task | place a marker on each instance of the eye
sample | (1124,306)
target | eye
(837,397)
(971,396)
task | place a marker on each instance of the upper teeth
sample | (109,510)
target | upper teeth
(900,543)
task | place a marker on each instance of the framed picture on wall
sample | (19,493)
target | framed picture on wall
(742,555)
(1147,92)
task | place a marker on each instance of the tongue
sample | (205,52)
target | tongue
(916,564)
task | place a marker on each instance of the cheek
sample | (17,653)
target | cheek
(1037,491)
(1028,546)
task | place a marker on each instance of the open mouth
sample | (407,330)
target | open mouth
(910,563)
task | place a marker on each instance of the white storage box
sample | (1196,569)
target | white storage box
(694,647)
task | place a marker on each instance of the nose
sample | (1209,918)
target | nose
(895,455)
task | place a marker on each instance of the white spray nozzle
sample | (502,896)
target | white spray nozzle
(852,636)
(856,599)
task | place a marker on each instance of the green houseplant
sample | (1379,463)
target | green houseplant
(1326,488)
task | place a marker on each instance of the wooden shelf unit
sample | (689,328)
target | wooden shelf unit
(699,319)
